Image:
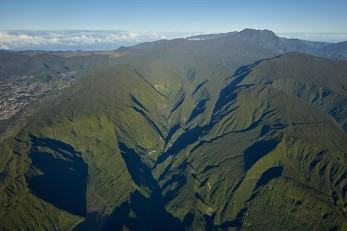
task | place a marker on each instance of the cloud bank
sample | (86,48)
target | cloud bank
(75,40)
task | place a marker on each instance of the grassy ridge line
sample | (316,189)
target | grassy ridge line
(319,82)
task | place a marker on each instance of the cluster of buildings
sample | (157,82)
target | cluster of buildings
(18,92)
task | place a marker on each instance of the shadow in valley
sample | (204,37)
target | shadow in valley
(257,150)
(148,212)
(60,176)
(186,138)
(199,109)
(142,212)
(268,175)
(227,94)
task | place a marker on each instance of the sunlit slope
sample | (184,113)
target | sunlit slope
(196,68)
(319,82)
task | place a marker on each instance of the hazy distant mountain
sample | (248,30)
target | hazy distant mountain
(269,40)
(224,133)
(209,36)
(338,50)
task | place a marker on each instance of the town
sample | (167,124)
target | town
(19,92)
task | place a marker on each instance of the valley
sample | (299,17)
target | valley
(240,131)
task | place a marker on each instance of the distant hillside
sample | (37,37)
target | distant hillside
(337,49)
(269,40)
(35,63)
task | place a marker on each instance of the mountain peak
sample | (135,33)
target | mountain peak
(258,33)
(257,30)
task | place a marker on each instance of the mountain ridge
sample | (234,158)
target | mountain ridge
(270,40)
(190,133)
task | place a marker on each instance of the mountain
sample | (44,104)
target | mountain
(265,39)
(268,39)
(319,82)
(337,49)
(215,134)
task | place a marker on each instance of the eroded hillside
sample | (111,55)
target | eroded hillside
(186,136)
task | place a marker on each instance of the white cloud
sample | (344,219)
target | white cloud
(17,40)
(4,47)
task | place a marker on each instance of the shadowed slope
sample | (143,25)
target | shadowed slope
(61,175)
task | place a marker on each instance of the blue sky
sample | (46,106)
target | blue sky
(292,16)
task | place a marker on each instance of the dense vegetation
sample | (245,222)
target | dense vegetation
(220,134)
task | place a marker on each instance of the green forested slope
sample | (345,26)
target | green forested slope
(185,137)
(320,82)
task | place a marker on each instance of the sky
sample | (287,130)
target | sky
(181,17)
(292,16)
